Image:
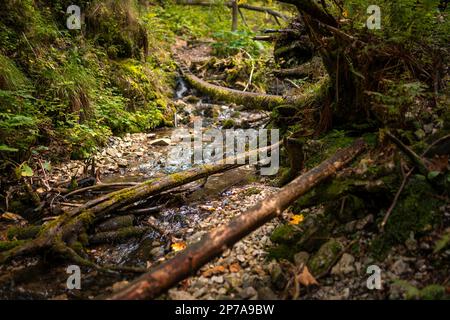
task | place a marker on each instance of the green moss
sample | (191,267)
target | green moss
(433,292)
(282,251)
(325,257)
(7,245)
(251,191)
(412,213)
(23,233)
(286,233)
(228,124)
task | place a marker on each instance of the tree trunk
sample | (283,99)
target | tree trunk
(234,15)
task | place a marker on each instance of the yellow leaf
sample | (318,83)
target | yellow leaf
(306,278)
(345,13)
(178,246)
(296,219)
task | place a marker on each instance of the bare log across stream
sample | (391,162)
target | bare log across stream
(164,276)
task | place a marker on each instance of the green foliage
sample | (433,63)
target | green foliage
(69,88)
(230,43)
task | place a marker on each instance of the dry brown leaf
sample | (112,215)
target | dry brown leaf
(235,267)
(306,278)
(213,271)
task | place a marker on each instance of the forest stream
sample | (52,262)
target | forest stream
(335,186)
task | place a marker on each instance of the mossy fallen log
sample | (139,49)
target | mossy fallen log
(251,100)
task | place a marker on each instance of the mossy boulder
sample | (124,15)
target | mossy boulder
(325,257)
(286,233)
(116,223)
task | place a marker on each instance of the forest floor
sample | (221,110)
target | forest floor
(245,271)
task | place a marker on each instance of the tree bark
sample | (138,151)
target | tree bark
(164,276)
(234,15)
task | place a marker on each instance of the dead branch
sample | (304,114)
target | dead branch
(161,278)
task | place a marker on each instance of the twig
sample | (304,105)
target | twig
(251,72)
(405,180)
(414,157)
(394,202)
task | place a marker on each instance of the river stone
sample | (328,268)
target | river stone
(325,257)
(399,267)
(345,265)
(122,163)
(266,293)
(116,223)
(160,142)
(277,276)
(180,295)
(248,293)
(301,258)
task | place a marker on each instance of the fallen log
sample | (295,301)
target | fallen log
(167,274)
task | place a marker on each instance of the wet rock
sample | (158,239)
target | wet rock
(217,279)
(301,258)
(325,257)
(277,276)
(191,99)
(195,237)
(345,265)
(160,142)
(286,233)
(116,223)
(157,252)
(122,163)
(266,293)
(248,293)
(200,292)
(343,295)
(399,267)
(364,222)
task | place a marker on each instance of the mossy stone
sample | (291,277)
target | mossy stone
(325,257)
(286,233)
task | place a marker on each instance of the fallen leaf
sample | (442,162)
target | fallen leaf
(178,246)
(296,219)
(11,216)
(213,271)
(235,267)
(306,278)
